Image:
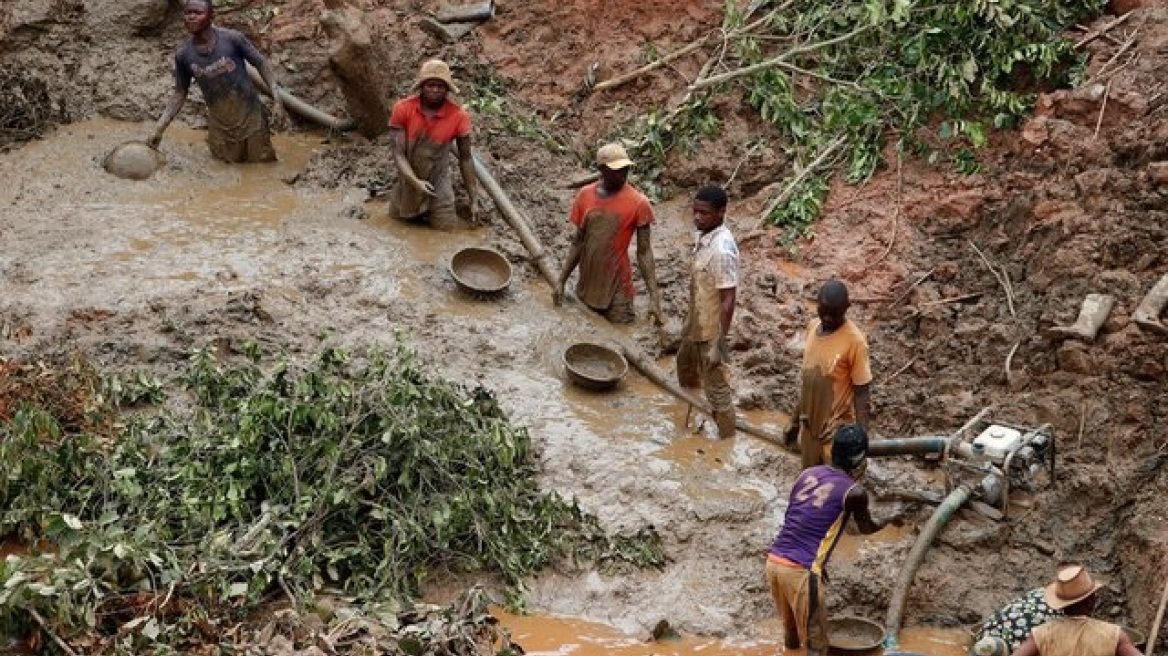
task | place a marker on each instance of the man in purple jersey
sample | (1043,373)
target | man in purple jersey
(821,501)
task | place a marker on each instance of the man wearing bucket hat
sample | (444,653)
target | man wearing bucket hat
(607,214)
(822,500)
(1074,593)
(422,128)
(216,58)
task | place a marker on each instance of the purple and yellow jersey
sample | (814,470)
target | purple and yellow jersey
(815,517)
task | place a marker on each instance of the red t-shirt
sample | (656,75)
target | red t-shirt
(447,124)
(608,224)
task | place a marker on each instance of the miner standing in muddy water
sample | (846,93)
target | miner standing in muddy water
(822,500)
(713,291)
(606,215)
(216,58)
(421,129)
(835,377)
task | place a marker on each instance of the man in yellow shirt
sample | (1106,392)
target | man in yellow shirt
(835,378)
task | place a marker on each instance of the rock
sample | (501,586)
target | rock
(1158,172)
(1081,106)
(130,17)
(1035,132)
(952,213)
(26,13)
(1074,358)
(1092,182)
(1121,7)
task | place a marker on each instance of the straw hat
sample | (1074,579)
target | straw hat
(436,69)
(1073,584)
(613,156)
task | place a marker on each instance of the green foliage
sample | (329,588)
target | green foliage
(489,100)
(357,476)
(658,133)
(894,68)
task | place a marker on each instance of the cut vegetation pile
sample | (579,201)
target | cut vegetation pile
(167,525)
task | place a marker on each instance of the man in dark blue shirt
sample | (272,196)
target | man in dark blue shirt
(216,58)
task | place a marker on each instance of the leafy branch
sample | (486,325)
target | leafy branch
(937,75)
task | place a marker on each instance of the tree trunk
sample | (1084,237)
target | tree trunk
(353,57)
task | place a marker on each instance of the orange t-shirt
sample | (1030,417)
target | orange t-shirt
(833,365)
(608,224)
(447,124)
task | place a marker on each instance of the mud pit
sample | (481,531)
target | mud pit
(138,274)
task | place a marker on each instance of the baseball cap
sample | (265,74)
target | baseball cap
(613,156)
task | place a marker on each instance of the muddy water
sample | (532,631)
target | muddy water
(546,635)
(185,244)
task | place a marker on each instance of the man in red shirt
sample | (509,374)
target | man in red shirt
(606,214)
(422,127)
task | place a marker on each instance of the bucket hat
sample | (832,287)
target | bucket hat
(436,69)
(1072,585)
(613,156)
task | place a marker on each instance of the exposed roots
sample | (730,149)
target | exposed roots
(26,108)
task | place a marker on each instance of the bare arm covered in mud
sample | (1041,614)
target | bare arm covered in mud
(570,265)
(726,299)
(173,106)
(649,272)
(856,505)
(466,166)
(402,162)
(269,76)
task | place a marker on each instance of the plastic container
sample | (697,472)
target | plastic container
(997,441)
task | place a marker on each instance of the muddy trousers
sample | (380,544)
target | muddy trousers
(813,451)
(619,311)
(799,597)
(694,369)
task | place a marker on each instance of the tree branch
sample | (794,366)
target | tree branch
(800,176)
(776,61)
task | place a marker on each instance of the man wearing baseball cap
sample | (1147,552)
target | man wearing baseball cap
(422,128)
(1075,593)
(606,214)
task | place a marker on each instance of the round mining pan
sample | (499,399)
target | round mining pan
(594,367)
(480,271)
(854,634)
(134,160)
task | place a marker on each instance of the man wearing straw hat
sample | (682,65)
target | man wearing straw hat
(1074,593)
(422,128)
